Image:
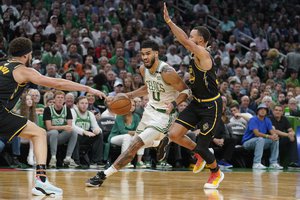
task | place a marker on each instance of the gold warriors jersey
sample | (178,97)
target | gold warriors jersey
(204,84)
(10,90)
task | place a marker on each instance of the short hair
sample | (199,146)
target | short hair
(204,32)
(150,44)
(234,105)
(20,46)
(80,98)
(58,92)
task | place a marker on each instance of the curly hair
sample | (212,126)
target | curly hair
(20,46)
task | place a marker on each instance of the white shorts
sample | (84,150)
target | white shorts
(154,125)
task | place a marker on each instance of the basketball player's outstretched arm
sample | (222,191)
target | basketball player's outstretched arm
(24,74)
(200,52)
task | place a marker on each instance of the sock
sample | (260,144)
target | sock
(110,171)
(41,172)
(215,169)
(68,157)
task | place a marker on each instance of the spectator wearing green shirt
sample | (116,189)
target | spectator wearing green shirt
(293,79)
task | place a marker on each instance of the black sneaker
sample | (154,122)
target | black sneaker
(97,180)
(161,149)
(293,165)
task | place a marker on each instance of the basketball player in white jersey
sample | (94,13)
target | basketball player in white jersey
(165,89)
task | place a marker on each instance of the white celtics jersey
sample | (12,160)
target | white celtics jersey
(160,92)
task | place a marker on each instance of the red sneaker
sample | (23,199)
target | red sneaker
(200,164)
(214,180)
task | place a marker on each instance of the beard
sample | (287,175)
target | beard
(27,63)
(151,63)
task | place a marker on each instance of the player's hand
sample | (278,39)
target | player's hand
(97,93)
(169,107)
(109,99)
(166,14)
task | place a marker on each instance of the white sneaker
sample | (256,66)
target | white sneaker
(52,163)
(275,166)
(129,165)
(45,188)
(70,162)
(258,166)
(30,160)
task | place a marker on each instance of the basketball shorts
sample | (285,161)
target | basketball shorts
(11,124)
(204,116)
(154,124)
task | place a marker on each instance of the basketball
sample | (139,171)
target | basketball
(120,104)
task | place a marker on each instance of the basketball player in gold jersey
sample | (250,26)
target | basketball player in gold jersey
(204,111)
(15,74)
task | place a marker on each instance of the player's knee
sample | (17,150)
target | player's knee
(172,135)
(42,132)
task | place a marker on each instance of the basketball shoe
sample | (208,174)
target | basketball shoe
(214,180)
(200,164)
(97,180)
(161,149)
(45,188)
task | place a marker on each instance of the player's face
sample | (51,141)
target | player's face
(148,56)
(195,37)
(29,58)
(83,105)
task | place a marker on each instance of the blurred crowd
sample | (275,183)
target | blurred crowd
(255,46)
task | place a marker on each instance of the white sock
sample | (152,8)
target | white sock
(110,171)
(54,157)
(68,157)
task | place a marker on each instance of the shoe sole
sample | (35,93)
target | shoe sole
(91,185)
(40,192)
(161,149)
(210,186)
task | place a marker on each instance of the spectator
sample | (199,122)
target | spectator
(293,79)
(58,121)
(123,132)
(293,108)
(237,124)
(287,142)
(244,107)
(257,138)
(89,133)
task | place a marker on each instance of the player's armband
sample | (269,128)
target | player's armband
(188,92)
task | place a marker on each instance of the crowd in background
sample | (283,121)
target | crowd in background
(255,46)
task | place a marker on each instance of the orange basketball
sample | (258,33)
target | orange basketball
(120,104)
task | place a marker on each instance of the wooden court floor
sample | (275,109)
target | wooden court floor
(165,185)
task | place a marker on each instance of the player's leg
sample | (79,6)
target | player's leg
(39,139)
(123,159)
(207,127)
